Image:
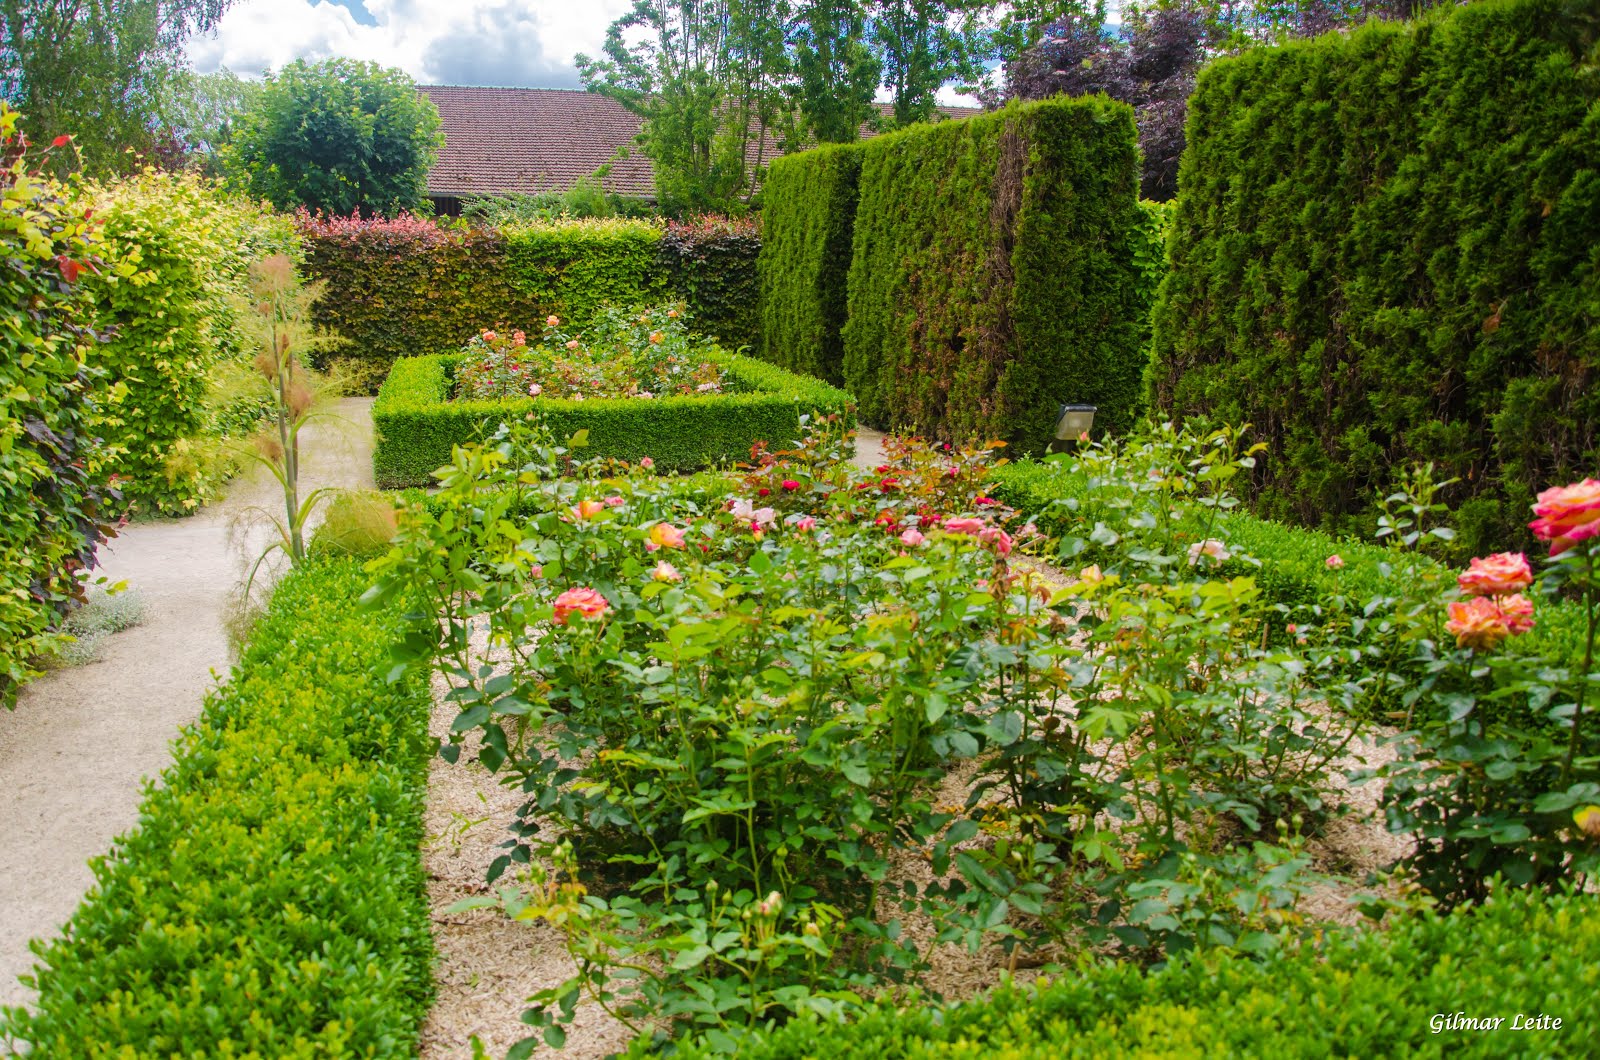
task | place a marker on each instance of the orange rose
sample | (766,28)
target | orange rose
(1496,575)
(665,535)
(1567,515)
(587,510)
(1477,623)
(580,601)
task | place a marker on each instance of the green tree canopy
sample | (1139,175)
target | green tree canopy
(98,70)
(338,136)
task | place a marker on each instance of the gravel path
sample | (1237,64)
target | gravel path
(78,748)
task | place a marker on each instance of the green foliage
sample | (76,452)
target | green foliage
(1372,993)
(570,269)
(408,286)
(1384,252)
(101,614)
(49,459)
(418,425)
(271,901)
(710,263)
(103,73)
(357,523)
(807,224)
(587,198)
(993,275)
(178,253)
(339,136)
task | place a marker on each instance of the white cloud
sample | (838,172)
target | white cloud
(525,43)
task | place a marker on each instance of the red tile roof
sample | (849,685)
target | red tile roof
(531,140)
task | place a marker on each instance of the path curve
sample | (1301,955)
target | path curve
(76,751)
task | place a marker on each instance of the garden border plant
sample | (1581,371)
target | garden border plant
(417,424)
(271,901)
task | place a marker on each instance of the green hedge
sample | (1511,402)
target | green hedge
(807,228)
(396,286)
(417,424)
(1368,994)
(271,900)
(1293,567)
(1387,249)
(993,274)
(710,263)
(407,285)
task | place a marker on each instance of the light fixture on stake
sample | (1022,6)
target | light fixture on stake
(1074,423)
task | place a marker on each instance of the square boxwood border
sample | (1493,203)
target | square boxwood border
(417,424)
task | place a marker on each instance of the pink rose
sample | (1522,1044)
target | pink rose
(1334,561)
(1496,575)
(665,572)
(805,523)
(1210,548)
(964,525)
(646,463)
(790,484)
(985,502)
(764,516)
(1567,515)
(993,535)
(615,501)
(581,601)
(552,321)
(534,390)
(912,538)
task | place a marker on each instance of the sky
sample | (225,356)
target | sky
(523,43)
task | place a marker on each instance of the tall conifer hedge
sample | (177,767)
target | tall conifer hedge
(1387,249)
(807,223)
(993,274)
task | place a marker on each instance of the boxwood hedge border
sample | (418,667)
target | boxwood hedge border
(417,424)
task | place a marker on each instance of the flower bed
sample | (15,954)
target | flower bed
(417,424)
(270,902)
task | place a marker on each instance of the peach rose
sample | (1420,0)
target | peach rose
(580,601)
(488,336)
(665,535)
(1210,548)
(1496,575)
(1567,515)
(587,510)
(1477,623)
(665,572)
(1517,610)
(552,320)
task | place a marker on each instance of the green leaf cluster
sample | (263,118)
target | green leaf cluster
(271,901)
(178,252)
(48,459)
(418,425)
(1358,994)
(1384,251)
(992,272)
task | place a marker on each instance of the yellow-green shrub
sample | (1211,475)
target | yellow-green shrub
(177,250)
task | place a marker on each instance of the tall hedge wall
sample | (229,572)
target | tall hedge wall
(1387,249)
(807,228)
(408,286)
(993,273)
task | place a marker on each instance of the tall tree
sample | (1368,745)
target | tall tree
(922,45)
(97,69)
(339,136)
(838,73)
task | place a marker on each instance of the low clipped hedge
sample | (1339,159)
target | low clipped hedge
(1294,569)
(270,903)
(1369,994)
(417,424)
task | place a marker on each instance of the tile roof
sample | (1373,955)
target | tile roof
(531,140)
